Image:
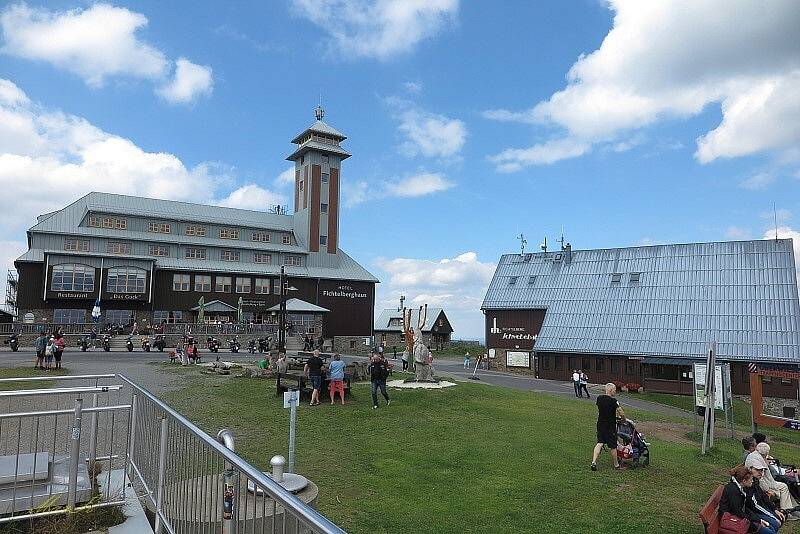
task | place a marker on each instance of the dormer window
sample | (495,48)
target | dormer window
(616,278)
(512,281)
(635,277)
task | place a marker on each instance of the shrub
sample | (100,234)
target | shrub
(634,388)
(619,384)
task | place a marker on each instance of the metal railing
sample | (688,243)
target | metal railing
(170,328)
(102,432)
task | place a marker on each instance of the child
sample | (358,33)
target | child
(467,361)
(48,354)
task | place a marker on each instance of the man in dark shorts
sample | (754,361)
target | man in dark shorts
(313,371)
(608,409)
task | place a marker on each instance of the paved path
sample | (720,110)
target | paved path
(136,365)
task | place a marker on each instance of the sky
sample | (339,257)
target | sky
(620,123)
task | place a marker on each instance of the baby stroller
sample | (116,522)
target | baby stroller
(631,445)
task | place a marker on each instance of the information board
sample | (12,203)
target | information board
(518,359)
(722,379)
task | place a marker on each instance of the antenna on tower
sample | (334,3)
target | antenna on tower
(522,243)
(562,240)
(543,246)
(775,213)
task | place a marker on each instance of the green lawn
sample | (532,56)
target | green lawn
(473,458)
(24,372)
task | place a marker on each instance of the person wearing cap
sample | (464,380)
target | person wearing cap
(757,459)
(759,502)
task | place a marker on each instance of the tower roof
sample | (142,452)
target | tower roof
(321,128)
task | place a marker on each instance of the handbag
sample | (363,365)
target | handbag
(732,524)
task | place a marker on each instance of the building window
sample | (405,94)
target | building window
(72,277)
(119,317)
(119,247)
(615,365)
(262,257)
(323,208)
(229,255)
(286,239)
(323,240)
(262,286)
(766,379)
(223,284)
(629,368)
(573,363)
(164,316)
(635,277)
(599,364)
(325,159)
(77,245)
(108,222)
(276,287)
(531,280)
(559,362)
(301,186)
(616,278)
(195,253)
(195,230)
(242,285)
(292,261)
(512,280)
(745,374)
(158,250)
(69,316)
(545,362)
(180,282)
(352,343)
(228,233)
(202,283)
(324,177)
(159,228)
(586,364)
(126,280)
(262,237)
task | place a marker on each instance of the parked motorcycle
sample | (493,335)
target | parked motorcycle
(213,344)
(13,342)
(263,346)
(251,346)
(106,343)
(159,343)
(146,344)
(84,344)
(234,346)
(129,344)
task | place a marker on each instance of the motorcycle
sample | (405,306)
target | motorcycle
(13,342)
(146,345)
(83,344)
(106,343)
(251,346)
(159,343)
(262,345)
(129,344)
(213,344)
(233,344)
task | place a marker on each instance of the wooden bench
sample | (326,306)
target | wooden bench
(302,383)
(709,513)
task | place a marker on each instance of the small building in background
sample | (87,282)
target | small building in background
(436,332)
(645,314)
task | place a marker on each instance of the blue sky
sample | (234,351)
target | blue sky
(469,122)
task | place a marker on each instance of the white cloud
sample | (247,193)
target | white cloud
(285,179)
(97,43)
(48,158)
(253,197)
(432,135)
(736,233)
(661,60)
(455,284)
(514,159)
(757,182)
(190,81)
(377,29)
(413,87)
(419,185)
(781,214)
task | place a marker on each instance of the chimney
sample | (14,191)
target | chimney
(567,253)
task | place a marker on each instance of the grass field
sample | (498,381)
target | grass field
(473,458)
(24,372)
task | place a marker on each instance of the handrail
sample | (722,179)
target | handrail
(277,492)
(56,377)
(63,412)
(59,391)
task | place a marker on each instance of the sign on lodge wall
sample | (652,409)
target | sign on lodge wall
(513,329)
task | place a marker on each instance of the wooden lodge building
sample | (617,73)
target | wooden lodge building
(645,314)
(436,331)
(151,260)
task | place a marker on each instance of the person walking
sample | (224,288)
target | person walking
(583,382)
(58,349)
(336,376)
(40,343)
(394,352)
(467,360)
(313,371)
(135,329)
(378,371)
(608,409)
(576,382)
(404,358)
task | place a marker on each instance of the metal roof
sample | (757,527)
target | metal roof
(742,294)
(382,322)
(216,306)
(322,128)
(322,147)
(299,306)
(69,218)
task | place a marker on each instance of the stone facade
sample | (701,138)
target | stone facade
(351,345)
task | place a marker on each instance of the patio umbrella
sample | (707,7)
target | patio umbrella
(96,310)
(239,314)
(202,311)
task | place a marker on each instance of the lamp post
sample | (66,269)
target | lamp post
(285,288)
